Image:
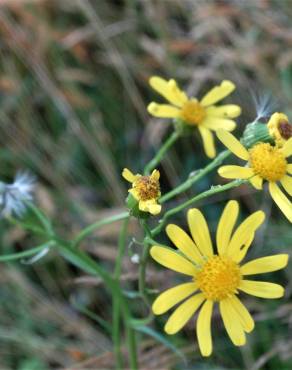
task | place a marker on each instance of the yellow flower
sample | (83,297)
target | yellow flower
(145,189)
(264,162)
(216,278)
(202,114)
(279,128)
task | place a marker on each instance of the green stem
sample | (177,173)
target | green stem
(116,335)
(87,264)
(121,248)
(213,190)
(96,225)
(196,176)
(143,262)
(26,226)
(28,253)
(45,222)
(160,154)
(131,341)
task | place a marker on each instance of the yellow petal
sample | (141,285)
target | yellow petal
(200,232)
(218,93)
(135,193)
(232,325)
(150,206)
(265,264)
(128,175)
(287,148)
(163,110)
(287,184)
(215,123)
(172,260)
(184,243)
(169,90)
(281,200)
(243,233)
(172,296)
(262,289)
(155,175)
(235,172)
(243,251)
(183,313)
(204,329)
(257,182)
(232,144)
(208,141)
(224,111)
(289,169)
(244,316)
(226,225)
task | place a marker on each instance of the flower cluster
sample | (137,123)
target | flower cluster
(217,275)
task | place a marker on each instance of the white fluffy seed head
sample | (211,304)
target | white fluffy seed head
(13,196)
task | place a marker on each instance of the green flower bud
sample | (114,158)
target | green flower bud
(256,132)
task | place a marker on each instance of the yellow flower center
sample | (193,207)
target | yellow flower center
(192,112)
(267,161)
(219,278)
(147,188)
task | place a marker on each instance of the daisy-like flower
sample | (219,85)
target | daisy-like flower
(264,162)
(13,196)
(215,278)
(202,114)
(279,128)
(145,189)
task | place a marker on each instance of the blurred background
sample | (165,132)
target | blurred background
(74,90)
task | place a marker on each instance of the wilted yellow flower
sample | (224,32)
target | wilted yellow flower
(279,128)
(216,278)
(264,162)
(145,189)
(202,114)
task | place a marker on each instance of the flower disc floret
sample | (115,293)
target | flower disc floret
(147,188)
(268,162)
(219,278)
(192,112)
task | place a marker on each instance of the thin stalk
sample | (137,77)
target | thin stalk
(28,253)
(161,152)
(26,226)
(45,222)
(96,225)
(116,335)
(195,177)
(131,340)
(214,190)
(143,262)
(121,248)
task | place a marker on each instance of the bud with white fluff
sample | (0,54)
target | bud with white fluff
(13,197)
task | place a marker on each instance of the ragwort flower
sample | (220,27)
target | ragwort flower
(279,128)
(216,278)
(202,114)
(145,189)
(264,162)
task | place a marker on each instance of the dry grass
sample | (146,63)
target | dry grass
(73,89)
